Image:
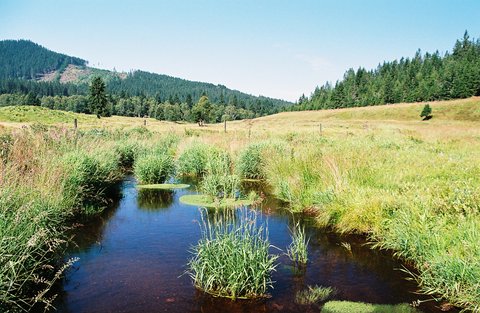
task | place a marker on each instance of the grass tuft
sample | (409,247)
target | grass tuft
(232,257)
(297,251)
(314,294)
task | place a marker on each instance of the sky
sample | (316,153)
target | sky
(275,48)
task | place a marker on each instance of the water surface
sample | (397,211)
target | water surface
(132,259)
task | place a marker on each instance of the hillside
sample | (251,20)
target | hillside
(23,59)
(23,62)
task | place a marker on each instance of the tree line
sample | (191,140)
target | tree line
(425,77)
(99,102)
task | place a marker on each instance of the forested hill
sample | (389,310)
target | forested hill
(425,77)
(24,59)
(175,89)
(27,68)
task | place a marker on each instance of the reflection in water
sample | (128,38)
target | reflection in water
(132,259)
(154,199)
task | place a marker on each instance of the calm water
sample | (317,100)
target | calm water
(132,260)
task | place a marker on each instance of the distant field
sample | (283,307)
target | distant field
(451,119)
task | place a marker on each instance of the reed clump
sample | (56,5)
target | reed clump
(219,180)
(297,251)
(154,168)
(193,160)
(232,258)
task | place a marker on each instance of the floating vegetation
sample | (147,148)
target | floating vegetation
(163,186)
(360,307)
(232,257)
(212,202)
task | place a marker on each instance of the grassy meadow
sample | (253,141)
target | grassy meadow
(410,186)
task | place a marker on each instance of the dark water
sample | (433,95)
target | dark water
(132,260)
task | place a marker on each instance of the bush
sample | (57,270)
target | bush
(232,257)
(154,168)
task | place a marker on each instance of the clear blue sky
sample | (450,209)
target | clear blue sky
(276,48)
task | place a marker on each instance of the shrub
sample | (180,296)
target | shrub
(426,112)
(153,168)
(232,257)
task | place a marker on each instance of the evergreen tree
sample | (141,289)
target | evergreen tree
(98,98)
(426,112)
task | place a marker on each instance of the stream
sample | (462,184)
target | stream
(133,259)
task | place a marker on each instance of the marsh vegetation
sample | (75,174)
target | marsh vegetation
(409,187)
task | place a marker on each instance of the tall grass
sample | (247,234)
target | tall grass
(418,198)
(47,177)
(219,180)
(232,258)
(297,251)
(250,161)
(193,160)
(154,168)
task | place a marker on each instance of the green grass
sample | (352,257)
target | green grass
(410,186)
(29,114)
(193,160)
(359,307)
(163,186)
(297,251)
(153,168)
(314,294)
(418,198)
(232,257)
(48,180)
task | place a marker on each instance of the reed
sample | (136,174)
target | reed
(232,258)
(297,251)
(314,294)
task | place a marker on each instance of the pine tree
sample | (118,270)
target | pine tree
(98,98)
(426,112)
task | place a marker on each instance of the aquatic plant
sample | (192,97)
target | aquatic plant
(297,251)
(219,181)
(87,178)
(193,160)
(206,201)
(314,294)
(360,307)
(232,257)
(127,151)
(250,162)
(153,168)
